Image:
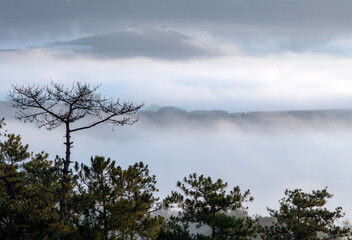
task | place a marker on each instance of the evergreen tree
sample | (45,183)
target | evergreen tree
(29,192)
(302,216)
(207,203)
(173,229)
(113,203)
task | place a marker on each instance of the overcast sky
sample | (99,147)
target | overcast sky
(233,55)
(236,55)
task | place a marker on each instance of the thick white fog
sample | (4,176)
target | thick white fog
(238,82)
(264,152)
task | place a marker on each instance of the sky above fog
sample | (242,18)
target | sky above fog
(233,55)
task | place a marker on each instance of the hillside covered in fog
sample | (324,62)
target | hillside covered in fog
(289,120)
(172,117)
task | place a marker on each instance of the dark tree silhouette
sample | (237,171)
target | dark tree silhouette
(77,108)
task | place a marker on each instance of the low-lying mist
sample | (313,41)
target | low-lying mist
(265,152)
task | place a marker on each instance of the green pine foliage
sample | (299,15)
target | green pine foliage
(302,216)
(28,193)
(207,203)
(116,202)
(174,229)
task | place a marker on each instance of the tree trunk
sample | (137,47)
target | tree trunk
(65,170)
(10,189)
(213,228)
(104,210)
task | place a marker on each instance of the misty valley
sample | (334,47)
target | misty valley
(175,120)
(114,198)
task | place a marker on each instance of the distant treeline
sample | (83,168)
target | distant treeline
(168,116)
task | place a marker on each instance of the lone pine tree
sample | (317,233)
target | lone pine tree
(53,105)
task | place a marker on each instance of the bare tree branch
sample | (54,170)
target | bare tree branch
(54,105)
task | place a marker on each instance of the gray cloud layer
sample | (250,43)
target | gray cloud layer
(257,25)
(293,13)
